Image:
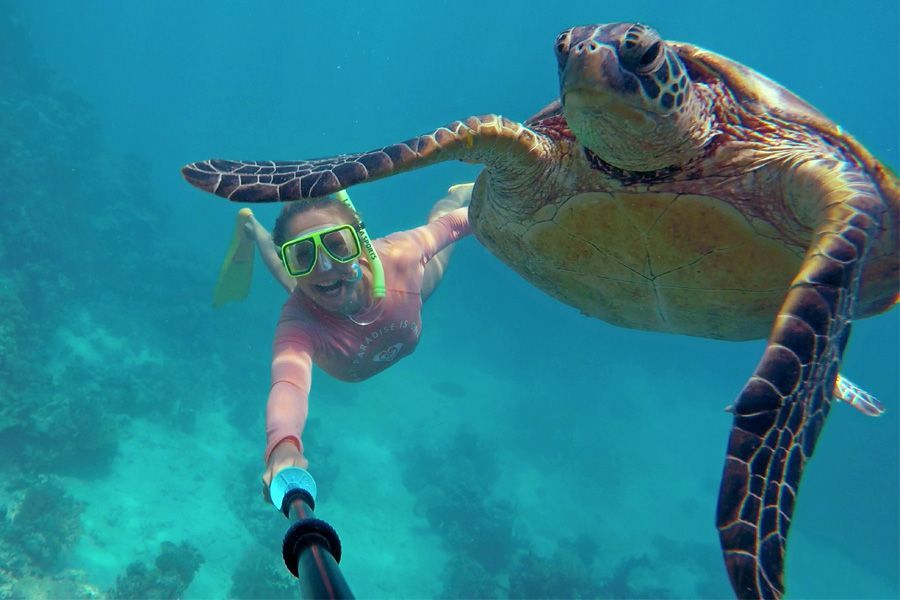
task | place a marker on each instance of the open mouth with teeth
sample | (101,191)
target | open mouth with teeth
(330,289)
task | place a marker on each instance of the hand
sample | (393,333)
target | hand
(251,225)
(461,194)
(284,455)
(457,196)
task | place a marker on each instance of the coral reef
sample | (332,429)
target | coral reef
(622,584)
(59,408)
(455,496)
(566,574)
(174,569)
(88,305)
(569,573)
(13,334)
(85,438)
(466,578)
(47,523)
(17,376)
(35,411)
(39,529)
(69,584)
(261,574)
(702,561)
(454,483)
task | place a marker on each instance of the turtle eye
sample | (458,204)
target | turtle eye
(640,49)
(650,55)
(561,47)
(562,43)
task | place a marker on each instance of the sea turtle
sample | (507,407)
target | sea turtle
(672,189)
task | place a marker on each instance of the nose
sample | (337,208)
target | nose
(324,263)
(589,46)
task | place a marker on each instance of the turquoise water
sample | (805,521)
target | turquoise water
(587,457)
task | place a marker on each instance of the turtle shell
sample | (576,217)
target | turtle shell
(762,96)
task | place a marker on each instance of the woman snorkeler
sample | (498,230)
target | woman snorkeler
(355,305)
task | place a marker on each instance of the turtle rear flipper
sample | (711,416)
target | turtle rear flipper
(847,391)
(489,139)
(781,410)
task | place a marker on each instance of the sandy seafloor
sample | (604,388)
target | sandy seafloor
(523,450)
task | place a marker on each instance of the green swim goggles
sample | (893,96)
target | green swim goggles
(341,243)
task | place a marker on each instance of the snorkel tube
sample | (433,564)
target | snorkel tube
(378,289)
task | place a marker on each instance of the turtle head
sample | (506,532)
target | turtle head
(627,97)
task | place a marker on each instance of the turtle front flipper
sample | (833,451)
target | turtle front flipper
(489,139)
(781,410)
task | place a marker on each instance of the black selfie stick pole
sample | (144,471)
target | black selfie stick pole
(311,548)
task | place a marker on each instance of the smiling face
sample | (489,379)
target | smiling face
(332,285)
(627,97)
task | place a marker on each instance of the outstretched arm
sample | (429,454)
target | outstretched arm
(288,404)
(457,196)
(263,239)
(437,235)
(429,246)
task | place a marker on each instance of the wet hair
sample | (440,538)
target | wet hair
(280,231)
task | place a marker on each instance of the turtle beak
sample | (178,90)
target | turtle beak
(591,66)
(593,84)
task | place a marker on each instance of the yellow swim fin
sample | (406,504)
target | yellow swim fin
(237,269)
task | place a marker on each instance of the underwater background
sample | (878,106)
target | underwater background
(524,450)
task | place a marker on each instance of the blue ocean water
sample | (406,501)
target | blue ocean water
(594,453)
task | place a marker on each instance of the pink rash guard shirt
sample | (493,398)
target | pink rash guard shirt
(308,334)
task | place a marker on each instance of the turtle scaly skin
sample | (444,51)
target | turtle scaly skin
(672,189)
